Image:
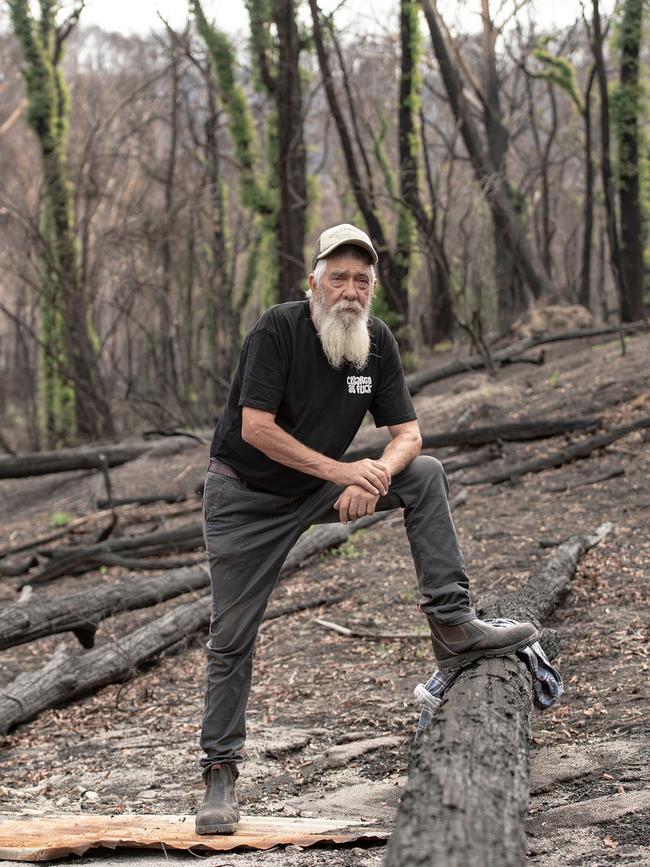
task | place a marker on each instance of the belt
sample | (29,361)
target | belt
(217,466)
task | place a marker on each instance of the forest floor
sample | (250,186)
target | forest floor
(132,747)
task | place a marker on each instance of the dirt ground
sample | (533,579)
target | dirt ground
(331,718)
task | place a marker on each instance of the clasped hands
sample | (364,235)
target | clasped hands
(366,481)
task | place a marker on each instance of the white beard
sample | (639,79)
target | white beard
(343,332)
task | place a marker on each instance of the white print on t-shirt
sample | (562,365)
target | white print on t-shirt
(359,384)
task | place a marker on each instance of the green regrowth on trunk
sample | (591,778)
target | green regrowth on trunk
(67,336)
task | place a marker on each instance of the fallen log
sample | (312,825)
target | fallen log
(519,431)
(83,611)
(169,497)
(23,622)
(417,381)
(65,460)
(470,769)
(557,459)
(68,676)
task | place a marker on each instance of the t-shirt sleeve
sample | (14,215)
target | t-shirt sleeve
(264,376)
(391,403)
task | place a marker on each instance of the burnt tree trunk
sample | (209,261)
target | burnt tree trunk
(291,159)
(629,161)
(584,293)
(392,274)
(467,794)
(605,159)
(488,176)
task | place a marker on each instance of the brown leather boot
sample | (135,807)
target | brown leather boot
(459,645)
(219,812)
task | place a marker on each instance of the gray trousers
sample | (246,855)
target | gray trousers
(249,533)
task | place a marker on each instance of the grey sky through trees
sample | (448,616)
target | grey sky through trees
(142,16)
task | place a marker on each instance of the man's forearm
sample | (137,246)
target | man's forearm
(260,430)
(284,448)
(400,451)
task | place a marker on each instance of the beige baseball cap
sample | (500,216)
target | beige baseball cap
(335,237)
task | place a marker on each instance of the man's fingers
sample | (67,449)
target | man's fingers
(371,485)
(378,479)
(384,470)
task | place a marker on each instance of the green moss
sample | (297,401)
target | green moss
(222,58)
(561,72)
(60,519)
(48,109)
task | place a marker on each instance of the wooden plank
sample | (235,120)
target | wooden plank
(44,838)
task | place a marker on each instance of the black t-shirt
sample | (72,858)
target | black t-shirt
(282,369)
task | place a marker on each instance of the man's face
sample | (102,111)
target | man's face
(347,282)
(340,306)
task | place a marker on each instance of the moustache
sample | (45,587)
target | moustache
(347,307)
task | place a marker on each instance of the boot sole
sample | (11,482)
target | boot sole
(462,660)
(228,828)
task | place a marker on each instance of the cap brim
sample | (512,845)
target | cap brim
(354,242)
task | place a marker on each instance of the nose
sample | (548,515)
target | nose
(349,290)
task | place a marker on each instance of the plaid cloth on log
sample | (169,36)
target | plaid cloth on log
(547,682)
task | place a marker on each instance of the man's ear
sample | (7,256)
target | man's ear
(313,285)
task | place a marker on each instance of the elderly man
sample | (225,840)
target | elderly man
(308,373)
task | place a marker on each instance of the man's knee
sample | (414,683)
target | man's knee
(233,633)
(426,467)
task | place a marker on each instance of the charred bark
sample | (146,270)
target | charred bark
(27,621)
(291,162)
(470,770)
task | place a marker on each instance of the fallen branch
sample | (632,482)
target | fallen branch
(80,559)
(417,381)
(52,537)
(563,456)
(601,477)
(537,360)
(152,434)
(324,536)
(470,769)
(370,634)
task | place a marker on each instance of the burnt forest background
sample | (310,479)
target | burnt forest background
(157,193)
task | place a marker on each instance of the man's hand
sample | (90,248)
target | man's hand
(355,502)
(372,476)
